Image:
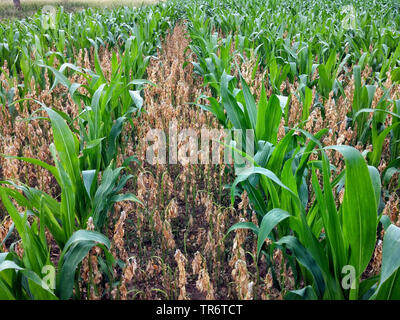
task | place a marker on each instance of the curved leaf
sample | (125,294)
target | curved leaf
(359,209)
(305,258)
(269,221)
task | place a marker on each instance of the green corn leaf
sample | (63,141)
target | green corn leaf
(233,110)
(269,221)
(305,258)
(73,257)
(268,118)
(376,182)
(262,115)
(125,197)
(12,211)
(75,250)
(395,75)
(330,217)
(307,293)
(112,139)
(389,284)
(37,288)
(325,82)
(243,225)
(314,140)
(68,199)
(359,209)
(306,103)
(377,145)
(88,178)
(275,162)
(246,173)
(66,145)
(251,109)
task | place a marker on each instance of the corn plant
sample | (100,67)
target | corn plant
(277,196)
(24,278)
(81,197)
(349,232)
(326,220)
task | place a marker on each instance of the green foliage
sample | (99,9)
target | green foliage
(300,44)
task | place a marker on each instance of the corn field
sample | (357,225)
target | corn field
(315,212)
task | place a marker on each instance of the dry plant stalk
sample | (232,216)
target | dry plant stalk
(244,287)
(203,283)
(182,281)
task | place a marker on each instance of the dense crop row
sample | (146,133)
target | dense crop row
(84,147)
(320,93)
(339,65)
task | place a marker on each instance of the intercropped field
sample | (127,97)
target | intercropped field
(30,7)
(315,213)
